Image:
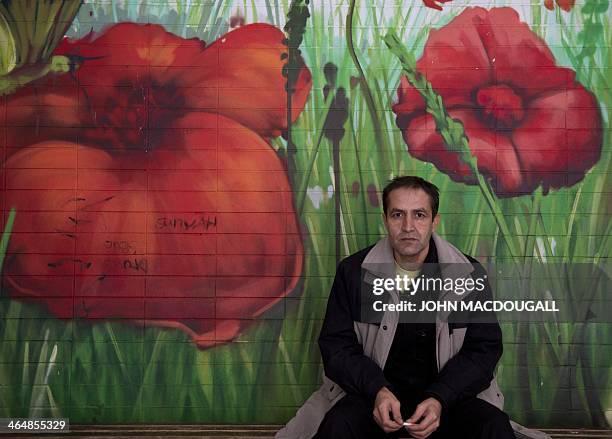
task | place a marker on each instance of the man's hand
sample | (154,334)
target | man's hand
(386,403)
(425,419)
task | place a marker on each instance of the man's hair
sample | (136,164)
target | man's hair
(413,182)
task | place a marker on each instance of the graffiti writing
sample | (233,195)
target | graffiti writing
(183,224)
(125,247)
(135,264)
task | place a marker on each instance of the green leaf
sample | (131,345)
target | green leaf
(34,29)
(601,6)
(587,51)
(588,8)
(8,228)
(8,48)
(594,31)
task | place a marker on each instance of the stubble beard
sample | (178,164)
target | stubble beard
(412,248)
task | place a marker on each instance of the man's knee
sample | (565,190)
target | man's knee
(476,418)
(351,417)
(337,423)
(498,419)
(495,424)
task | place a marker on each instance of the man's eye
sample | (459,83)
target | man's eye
(420,215)
(396,214)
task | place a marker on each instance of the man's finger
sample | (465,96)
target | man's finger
(418,413)
(429,419)
(421,434)
(431,429)
(397,414)
(388,424)
(379,419)
(426,433)
(380,423)
(384,413)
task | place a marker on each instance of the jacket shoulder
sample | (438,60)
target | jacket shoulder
(475,263)
(354,261)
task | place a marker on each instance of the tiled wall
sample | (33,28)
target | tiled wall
(170,239)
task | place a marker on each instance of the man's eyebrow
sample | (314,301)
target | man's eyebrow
(419,209)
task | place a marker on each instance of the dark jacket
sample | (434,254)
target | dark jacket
(354,352)
(464,376)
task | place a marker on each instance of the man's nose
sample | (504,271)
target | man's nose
(407,223)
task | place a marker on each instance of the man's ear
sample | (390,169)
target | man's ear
(436,221)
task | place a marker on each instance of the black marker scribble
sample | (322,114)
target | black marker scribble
(65,233)
(136,264)
(97,202)
(62,261)
(85,308)
(125,247)
(79,221)
(202,223)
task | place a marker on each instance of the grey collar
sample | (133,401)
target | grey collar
(379,261)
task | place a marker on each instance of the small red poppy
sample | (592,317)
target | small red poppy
(566,5)
(433,4)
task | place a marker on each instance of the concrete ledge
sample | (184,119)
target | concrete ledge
(224,431)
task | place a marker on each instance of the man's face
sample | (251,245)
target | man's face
(410,224)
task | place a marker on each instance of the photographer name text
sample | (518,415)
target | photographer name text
(480,306)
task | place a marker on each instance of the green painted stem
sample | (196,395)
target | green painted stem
(365,88)
(6,235)
(301,195)
(18,78)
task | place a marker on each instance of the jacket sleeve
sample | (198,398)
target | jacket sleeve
(343,358)
(470,371)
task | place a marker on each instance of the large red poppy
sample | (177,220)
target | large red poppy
(529,122)
(144,187)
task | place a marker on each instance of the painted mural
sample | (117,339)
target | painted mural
(180,179)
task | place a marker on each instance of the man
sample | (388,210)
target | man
(420,379)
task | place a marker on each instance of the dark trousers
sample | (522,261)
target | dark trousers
(352,418)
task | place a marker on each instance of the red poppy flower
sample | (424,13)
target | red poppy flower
(145,189)
(528,121)
(433,4)
(566,5)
